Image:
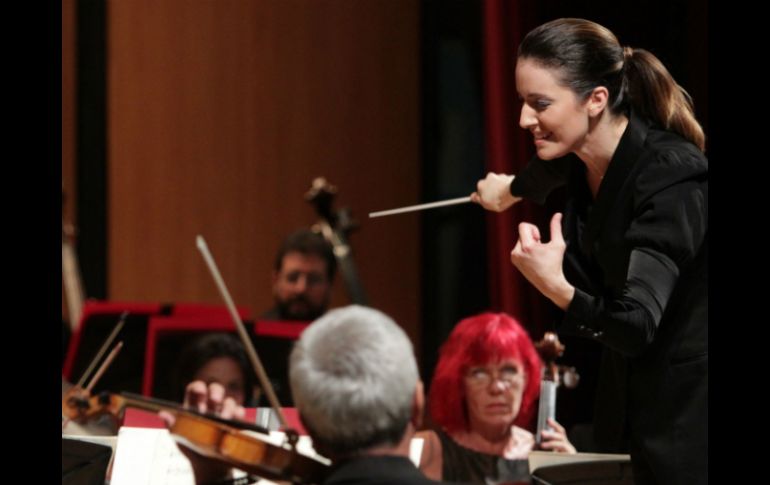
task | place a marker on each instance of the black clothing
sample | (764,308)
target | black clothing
(461,464)
(380,469)
(638,258)
(273,314)
(274,352)
(83,463)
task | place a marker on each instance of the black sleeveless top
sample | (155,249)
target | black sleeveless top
(461,464)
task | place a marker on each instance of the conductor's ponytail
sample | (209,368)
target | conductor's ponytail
(656,96)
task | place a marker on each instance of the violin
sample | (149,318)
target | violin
(209,435)
(335,226)
(553,375)
(247,452)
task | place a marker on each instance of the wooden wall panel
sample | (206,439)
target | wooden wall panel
(220,115)
(68,119)
(68,112)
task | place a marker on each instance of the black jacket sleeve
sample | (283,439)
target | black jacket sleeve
(540,177)
(669,226)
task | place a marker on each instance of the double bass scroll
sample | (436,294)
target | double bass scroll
(335,226)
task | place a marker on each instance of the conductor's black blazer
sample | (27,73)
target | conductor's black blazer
(638,258)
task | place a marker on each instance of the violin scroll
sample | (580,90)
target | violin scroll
(80,406)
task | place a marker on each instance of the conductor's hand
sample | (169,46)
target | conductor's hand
(541,263)
(494,192)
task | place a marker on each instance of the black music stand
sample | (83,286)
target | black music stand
(273,341)
(97,322)
(84,463)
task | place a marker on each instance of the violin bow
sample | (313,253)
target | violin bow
(104,366)
(250,351)
(104,348)
(102,369)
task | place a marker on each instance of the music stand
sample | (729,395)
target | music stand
(608,472)
(83,463)
(97,322)
(273,341)
(166,336)
(99,319)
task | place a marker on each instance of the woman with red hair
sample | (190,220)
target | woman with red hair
(483,396)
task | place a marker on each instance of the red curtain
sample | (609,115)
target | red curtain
(508,150)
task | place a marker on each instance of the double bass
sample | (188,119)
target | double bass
(335,226)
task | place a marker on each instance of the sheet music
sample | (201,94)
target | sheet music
(149,456)
(538,459)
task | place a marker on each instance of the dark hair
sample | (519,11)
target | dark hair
(308,242)
(588,55)
(210,346)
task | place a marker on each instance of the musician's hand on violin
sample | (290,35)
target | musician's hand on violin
(541,263)
(555,439)
(494,192)
(205,398)
(210,398)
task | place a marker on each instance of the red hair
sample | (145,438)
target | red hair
(479,340)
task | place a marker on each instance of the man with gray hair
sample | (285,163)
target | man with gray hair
(355,384)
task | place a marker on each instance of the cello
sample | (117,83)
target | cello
(335,226)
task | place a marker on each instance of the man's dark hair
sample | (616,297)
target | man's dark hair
(308,242)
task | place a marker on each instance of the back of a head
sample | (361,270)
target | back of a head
(353,376)
(586,55)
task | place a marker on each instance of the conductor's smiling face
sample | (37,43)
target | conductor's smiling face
(556,117)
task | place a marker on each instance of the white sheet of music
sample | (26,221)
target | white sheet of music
(539,459)
(149,456)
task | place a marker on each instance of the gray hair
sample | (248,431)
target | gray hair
(353,376)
